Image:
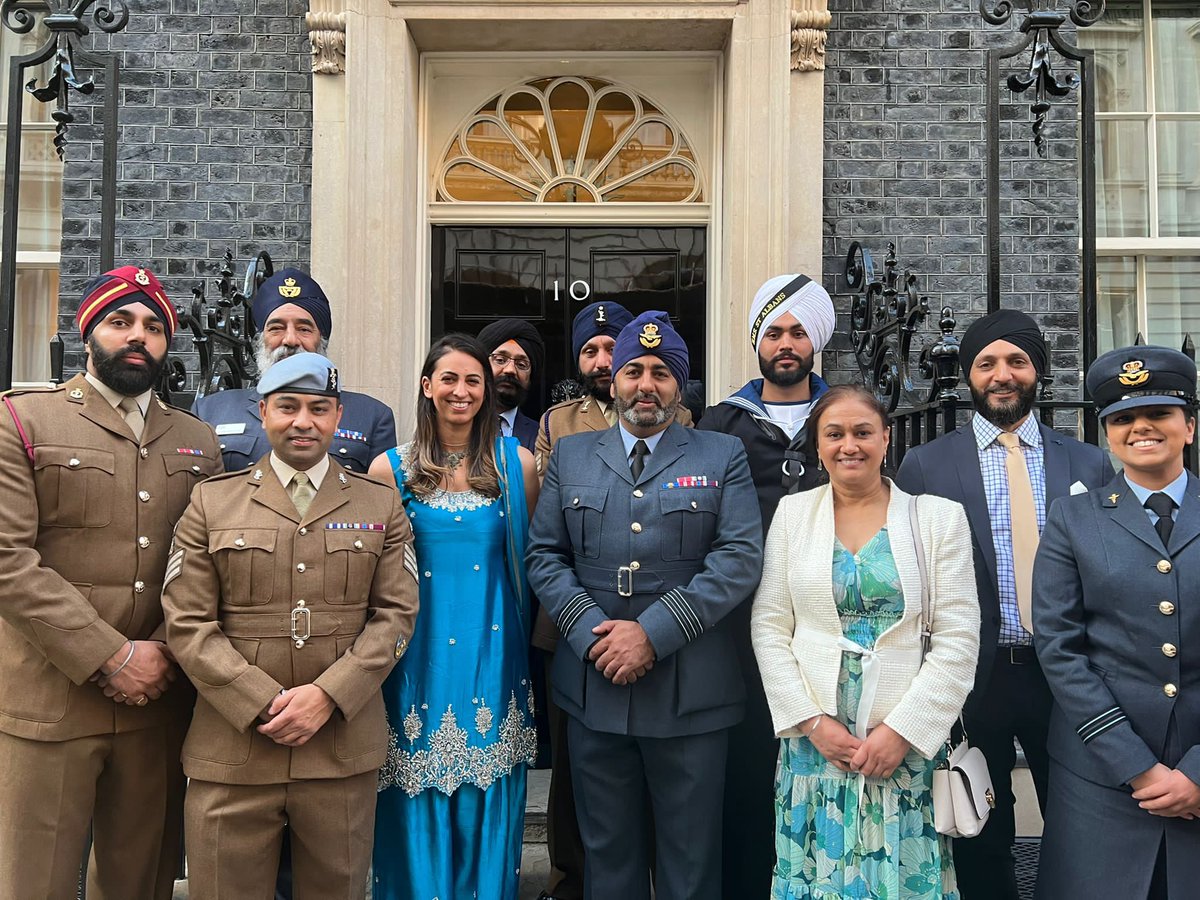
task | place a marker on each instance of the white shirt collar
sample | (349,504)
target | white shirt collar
(114,398)
(285,472)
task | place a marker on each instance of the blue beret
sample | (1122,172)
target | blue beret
(651,334)
(292,286)
(1142,375)
(301,373)
(596,319)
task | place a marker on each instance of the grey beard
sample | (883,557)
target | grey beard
(660,415)
(264,358)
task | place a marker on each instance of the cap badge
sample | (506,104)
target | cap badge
(1133,373)
(289,289)
(333,385)
(141,277)
(600,319)
(650,338)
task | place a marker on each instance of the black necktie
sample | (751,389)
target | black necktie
(1161,505)
(638,463)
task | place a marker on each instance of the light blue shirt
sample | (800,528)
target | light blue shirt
(629,440)
(507,418)
(1176,490)
(995,487)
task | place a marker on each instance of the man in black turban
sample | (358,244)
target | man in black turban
(517,351)
(1006,469)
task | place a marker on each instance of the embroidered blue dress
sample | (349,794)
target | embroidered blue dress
(839,835)
(451,807)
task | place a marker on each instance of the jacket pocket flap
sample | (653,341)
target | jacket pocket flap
(195,465)
(73,458)
(241,539)
(576,496)
(353,540)
(690,500)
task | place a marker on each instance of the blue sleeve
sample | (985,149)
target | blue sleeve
(383,431)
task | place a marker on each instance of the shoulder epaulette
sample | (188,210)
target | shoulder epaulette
(34,389)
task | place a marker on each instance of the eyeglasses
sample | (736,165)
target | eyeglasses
(500,360)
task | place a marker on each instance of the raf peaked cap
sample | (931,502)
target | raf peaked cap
(1143,375)
(303,373)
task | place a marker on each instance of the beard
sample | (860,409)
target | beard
(127,380)
(631,415)
(787,377)
(510,392)
(1008,413)
(591,384)
(264,358)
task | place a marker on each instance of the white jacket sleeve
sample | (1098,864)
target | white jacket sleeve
(772,628)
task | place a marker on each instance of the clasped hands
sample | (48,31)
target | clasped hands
(139,672)
(296,714)
(875,757)
(623,653)
(1163,791)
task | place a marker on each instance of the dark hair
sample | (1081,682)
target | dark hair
(838,392)
(428,458)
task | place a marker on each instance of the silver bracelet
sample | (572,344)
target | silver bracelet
(132,645)
(813,730)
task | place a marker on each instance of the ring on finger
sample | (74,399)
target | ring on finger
(121,697)
(143,700)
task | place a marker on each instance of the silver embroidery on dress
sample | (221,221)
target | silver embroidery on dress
(412,725)
(483,720)
(450,762)
(450,501)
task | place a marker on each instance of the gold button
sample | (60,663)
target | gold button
(1169,650)
(636,527)
(638,493)
(300,567)
(144,496)
(139,586)
(1166,607)
(1170,690)
(143,542)
(635,565)
(342,450)
(196,469)
(240,542)
(575,502)
(303,531)
(694,506)
(73,463)
(1164,566)
(144,452)
(358,545)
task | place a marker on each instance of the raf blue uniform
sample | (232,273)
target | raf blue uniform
(1117,630)
(676,550)
(367,429)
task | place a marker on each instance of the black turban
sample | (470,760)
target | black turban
(504,330)
(1010,325)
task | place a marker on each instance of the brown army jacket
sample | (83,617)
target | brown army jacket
(85,530)
(243,560)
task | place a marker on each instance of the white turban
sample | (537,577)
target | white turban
(800,296)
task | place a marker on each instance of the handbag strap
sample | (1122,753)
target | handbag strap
(926,603)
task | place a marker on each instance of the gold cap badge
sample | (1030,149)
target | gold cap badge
(141,277)
(289,289)
(650,338)
(1133,373)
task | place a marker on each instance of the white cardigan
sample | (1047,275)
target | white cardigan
(795,625)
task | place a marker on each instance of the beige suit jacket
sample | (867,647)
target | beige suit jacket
(85,530)
(244,558)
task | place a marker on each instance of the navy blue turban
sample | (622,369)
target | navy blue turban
(597,319)
(651,333)
(292,286)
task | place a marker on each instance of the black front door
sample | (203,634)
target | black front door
(546,275)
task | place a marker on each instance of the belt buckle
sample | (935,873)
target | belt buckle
(1013,651)
(628,572)
(301,618)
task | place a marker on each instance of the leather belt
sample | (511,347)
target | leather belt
(277,625)
(1018,654)
(633,579)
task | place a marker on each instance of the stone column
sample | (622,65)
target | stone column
(809,24)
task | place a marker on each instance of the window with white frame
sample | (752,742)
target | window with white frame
(1148,170)
(39,218)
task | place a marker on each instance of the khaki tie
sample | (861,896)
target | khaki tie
(610,414)
(302,492)
(1024,524)
(133,416)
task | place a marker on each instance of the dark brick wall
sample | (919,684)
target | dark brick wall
(905,162)
(215,147)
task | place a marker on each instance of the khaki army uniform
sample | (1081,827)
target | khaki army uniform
(85,529)
(258,599)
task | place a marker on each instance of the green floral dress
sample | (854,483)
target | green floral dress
(838,835)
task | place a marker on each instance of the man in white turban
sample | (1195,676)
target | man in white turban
(791,320)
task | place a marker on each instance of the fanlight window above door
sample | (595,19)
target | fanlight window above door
(569,140)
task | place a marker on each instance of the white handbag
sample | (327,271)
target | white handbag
(962,786)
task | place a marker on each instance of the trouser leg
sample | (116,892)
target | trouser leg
(233,835)
(332,826)
(563,841)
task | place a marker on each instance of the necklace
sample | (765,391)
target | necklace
(453,459)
